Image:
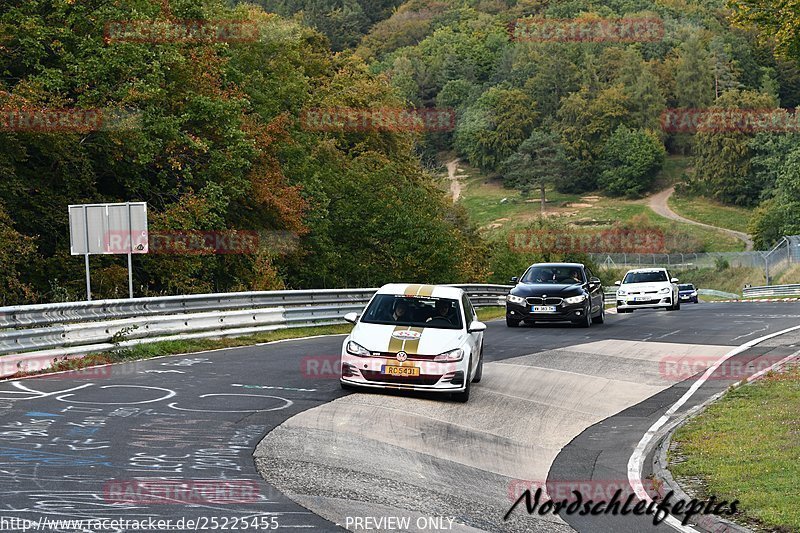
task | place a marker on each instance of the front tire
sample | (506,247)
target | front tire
(601,318)
(479,370)
(512,322)
(587,319)
(624,310)
(463,397)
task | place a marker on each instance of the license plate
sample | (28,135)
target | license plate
(642,299)
(408,371)
(544,309)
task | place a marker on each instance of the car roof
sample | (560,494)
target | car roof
(658,269)
(417,289)
(568,265)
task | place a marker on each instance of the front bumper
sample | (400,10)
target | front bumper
(564,312)
(433,376)
(654,301)
(687,297)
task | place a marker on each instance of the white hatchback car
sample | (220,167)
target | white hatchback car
(647,288)
(415,337)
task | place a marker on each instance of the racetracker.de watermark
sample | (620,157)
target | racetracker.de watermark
(187,491)
(167,31)
(380,119)
(35,366)
(577,241)
(330,366)
(65,120)
(182,242)
(677,368)
(730,120)
(595,30)
(593,489)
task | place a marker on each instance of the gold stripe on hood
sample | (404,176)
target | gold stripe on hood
(410,346)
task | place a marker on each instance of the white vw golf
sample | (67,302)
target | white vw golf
(415,337)
(647,288)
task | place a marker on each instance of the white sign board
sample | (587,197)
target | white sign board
(108,229)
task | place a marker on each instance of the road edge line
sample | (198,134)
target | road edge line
(648,441)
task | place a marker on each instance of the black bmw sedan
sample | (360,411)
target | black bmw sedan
(553,292)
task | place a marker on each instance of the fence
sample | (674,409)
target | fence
(37,336)
(773,291)
(784,254)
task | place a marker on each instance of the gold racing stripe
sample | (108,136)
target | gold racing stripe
(410,346)
(412,290)
(395,345)
(425,290)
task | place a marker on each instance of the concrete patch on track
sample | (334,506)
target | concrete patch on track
(376,455)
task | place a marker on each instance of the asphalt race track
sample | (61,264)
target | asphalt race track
(557,404)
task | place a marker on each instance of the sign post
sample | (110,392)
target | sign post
(108,229)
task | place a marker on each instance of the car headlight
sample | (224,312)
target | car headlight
(353,348)
(515,299)
(575,299)
(694,293)
(665,290)
(621,293)
(452,355)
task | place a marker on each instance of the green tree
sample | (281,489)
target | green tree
(585,122)
(538,162)
(778,21)
(723,155)
(495,126)
(17,253)
(694,77)
(630,161)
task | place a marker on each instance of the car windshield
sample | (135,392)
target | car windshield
(423,312)
(553,274)
(646,277)
(686,287)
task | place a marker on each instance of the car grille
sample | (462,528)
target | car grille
(647,302)
(370,375)
(536,300)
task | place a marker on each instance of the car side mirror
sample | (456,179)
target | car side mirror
(674,280)
(617,283)
(515,279)
(351,317)
(476,327)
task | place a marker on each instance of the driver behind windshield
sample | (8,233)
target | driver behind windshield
(442,311)
(400,313)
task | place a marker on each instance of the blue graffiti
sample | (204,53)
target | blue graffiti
(50,458)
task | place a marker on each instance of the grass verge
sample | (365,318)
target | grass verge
(747,447)
(711,212)
(491,313)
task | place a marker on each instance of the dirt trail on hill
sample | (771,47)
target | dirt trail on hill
(658,203)
(455,184)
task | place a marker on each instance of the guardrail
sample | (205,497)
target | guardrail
(772,291)
(37,336)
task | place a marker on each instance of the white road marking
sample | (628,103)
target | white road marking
(637,459)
